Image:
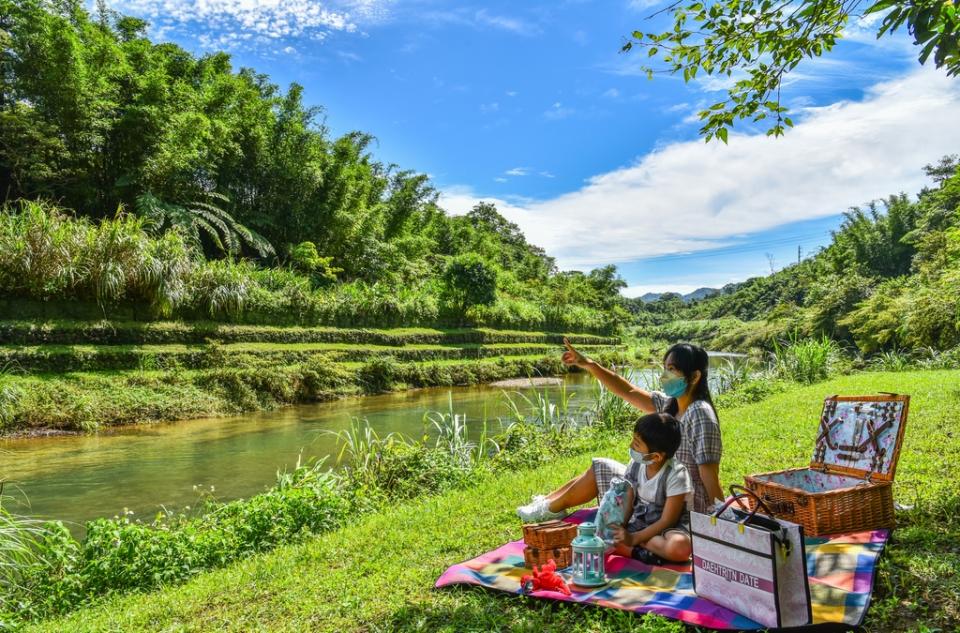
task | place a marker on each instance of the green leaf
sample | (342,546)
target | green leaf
(722,135)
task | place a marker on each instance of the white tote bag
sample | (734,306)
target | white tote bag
(751,564)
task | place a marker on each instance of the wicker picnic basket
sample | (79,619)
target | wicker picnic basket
(562,556)
(548,540)
(549,534)
(848,486)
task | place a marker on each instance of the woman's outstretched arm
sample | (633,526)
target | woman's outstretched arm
(611,380)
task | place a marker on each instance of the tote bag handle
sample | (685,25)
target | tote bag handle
(737,496)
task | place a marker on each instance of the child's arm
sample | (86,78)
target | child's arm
(672,510)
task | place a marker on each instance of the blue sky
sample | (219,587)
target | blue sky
(531,105)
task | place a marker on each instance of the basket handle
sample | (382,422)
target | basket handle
(736,496)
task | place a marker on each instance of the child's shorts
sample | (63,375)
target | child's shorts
(644,555)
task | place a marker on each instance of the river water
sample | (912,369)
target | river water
(147,468)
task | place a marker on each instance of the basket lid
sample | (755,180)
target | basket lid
(861,435)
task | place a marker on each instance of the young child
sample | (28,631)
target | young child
(656,529)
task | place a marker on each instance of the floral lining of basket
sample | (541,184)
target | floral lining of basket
(848,486)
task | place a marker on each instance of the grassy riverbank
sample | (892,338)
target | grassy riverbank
(377,574)
(79,376)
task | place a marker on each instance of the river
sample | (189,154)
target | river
(144,469)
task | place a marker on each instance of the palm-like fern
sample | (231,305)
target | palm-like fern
(203,216)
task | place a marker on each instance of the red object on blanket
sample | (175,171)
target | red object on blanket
(546,578)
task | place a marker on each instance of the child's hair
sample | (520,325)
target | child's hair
(660,432)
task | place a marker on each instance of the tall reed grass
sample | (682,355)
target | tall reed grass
(46,254)
(805,360)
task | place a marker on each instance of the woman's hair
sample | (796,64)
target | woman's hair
(660,432)
(688,358)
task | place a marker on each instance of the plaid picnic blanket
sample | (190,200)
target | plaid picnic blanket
(840,567)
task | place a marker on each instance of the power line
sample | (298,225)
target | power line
(739,248)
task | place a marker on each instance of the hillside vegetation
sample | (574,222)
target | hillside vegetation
(889,281)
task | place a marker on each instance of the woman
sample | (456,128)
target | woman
(685,395)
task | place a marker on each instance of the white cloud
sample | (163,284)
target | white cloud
(691,196)
(267,19)
(612,93)
(489,108)
(349,57)
(512,93)
(547,174)
(640,5)
(517,171)
(500,179)
(514,25)
(558,111)
(482,18)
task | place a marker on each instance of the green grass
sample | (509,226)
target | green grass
(377,575)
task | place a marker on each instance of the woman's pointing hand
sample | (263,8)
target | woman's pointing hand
(572,356)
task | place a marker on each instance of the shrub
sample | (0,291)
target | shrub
(305,258)
(379,375)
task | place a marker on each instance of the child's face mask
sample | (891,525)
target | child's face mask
(644,458)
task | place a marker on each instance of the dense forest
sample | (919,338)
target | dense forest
(232,198)
(888,280)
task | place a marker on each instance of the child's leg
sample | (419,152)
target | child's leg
(575,492)
(674,545)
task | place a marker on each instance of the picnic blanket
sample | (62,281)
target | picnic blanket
(841,570)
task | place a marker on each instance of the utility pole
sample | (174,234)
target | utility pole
(798,253)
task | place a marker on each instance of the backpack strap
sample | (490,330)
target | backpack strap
(661,499)
(633,472)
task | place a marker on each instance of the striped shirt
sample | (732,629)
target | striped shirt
(701,444)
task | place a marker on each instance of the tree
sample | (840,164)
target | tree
(872,241)
(470,281)
(607,284)
(759,42)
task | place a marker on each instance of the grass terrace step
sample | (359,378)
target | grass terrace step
(88,400)
(138,333)
(72,358)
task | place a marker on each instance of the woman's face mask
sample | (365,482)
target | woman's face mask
(672,384)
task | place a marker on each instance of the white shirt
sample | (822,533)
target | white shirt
(678,483)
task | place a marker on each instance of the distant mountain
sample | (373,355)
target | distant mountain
(699,293)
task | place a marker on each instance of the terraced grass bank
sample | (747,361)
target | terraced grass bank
(78,376)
